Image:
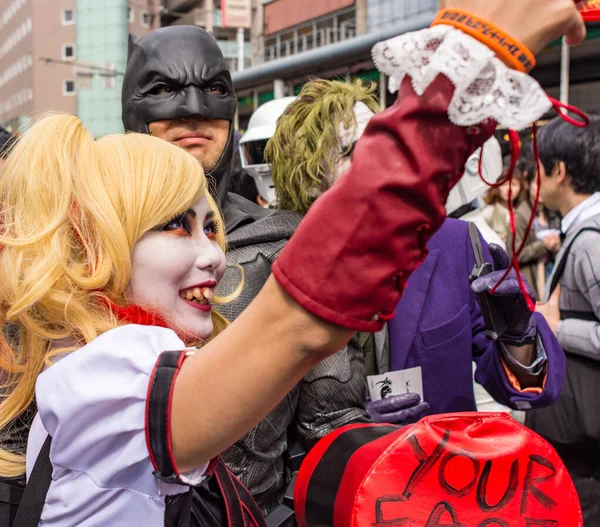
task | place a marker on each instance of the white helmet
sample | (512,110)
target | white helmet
(470,186)
(252,144)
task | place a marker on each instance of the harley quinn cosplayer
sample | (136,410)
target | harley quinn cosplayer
(110,255)
(177,86)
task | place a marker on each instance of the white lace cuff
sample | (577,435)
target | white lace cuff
(485,87)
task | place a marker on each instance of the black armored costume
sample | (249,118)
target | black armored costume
(188,60)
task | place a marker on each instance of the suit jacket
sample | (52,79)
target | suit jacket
(580,290)
(572,425)
(439,326)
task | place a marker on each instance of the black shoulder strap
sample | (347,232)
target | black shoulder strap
(560,268)
(238,500)
(11,492)
(235,512)
(34,496)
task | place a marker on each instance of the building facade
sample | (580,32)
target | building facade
(103,30)
(65,56)
(286,30)
(383,15)
(333,39)
(207,14)
(37,45)
(292,27)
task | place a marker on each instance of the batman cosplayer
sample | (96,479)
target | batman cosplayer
(177,87)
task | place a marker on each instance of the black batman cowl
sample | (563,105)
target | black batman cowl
(187,60)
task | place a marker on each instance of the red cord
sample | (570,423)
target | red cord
(498,183)
(561,106)
(515,150)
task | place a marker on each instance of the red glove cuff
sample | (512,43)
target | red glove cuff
(353,253)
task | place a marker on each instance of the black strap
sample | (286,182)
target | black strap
(11,492)
(167,366)
(580,315)
(560,267)
(235,513)
(239,502)
(252,509)
(34,497)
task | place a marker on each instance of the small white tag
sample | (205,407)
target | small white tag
(395,383)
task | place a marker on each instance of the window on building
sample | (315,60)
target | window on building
(69,87)
(84,81)
(130,15)
(109,80)
(68,17)
(68,51)
(145,18)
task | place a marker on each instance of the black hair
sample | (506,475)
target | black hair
(578,148)
(6,142)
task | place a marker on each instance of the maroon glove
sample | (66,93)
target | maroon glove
(349,260)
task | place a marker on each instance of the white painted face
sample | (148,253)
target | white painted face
(175,269)
(349,136)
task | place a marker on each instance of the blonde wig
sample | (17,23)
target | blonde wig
(72,209)
(306,142)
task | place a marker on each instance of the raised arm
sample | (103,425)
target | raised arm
(347,264)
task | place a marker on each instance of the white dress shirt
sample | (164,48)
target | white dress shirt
(586,209)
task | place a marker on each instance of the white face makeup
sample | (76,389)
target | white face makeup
(349,136)
(175,269)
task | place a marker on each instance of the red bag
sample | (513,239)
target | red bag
(591,11)
(452,470)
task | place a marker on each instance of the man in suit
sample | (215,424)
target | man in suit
(570,174)
(438,323)
(439,327)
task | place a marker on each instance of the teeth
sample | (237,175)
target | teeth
(201,296)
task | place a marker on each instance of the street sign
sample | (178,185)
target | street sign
(237,13)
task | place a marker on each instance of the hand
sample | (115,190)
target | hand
(535,23)
(552,242)
(550,310)
(519,319)
(397,409)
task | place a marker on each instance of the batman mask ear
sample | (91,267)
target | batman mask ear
(131,45)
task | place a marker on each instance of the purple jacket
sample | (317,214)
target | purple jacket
(438,326)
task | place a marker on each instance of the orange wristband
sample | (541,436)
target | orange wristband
(508,49)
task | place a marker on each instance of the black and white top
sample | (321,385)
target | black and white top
(93,403)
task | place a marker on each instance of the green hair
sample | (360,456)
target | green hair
(306,144)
